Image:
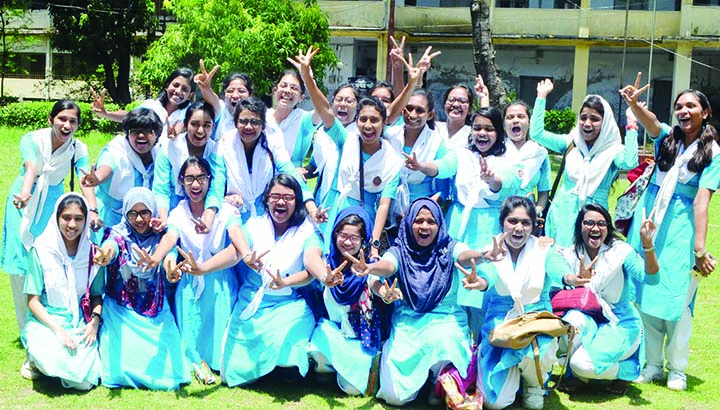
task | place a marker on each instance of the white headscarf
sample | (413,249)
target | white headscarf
(66,277)
(586,168)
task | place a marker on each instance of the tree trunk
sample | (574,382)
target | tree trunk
(109,82)
(484,52)
(123,76)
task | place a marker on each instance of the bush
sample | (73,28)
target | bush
(559,121)
(34,115)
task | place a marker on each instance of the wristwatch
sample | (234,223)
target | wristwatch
(96,315)
(701,253)
(375,243)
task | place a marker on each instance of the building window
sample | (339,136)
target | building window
(26,65)
(438,3)
(65,67)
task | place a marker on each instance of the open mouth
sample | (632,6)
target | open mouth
(594,239)
(195,193)
(342,115)
(199,140)
(286,98)
(456,112)
(482,142)
(685,122)
(280,211)
(177,98)
(142,144)
(516,131)
(368,135)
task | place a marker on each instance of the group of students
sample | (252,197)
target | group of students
(198,246)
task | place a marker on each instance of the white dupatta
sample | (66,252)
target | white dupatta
(525,281)
(586,168)
(128,162)
(326,154)
(290,127)
(177,153)
(66,278)
(285,256)
(51,170)
(531,156)
(471,190)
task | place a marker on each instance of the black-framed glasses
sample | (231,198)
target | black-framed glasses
(460,100)
(589,223)
(285,197)
(138,131)
(245,121)
(144,214)
(190,179)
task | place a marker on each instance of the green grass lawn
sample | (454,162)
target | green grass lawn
(16,392)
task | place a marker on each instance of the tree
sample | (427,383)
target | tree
(12,14)
(484,52)
(256,38)
(105,33)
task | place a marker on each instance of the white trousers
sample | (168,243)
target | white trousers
(17,284)
(388,392)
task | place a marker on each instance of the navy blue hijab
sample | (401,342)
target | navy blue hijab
(351,289)
(425,273)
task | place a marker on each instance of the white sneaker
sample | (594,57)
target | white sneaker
(650,374)
(677,381)
(29,371)
(533,398)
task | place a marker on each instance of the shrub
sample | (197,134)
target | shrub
(559,121)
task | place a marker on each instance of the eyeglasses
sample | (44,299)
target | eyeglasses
(144,214)
(138,131)
(254,122)
(285,197)
(355,239)
(346,100)
(588,223)
(460,100)
(411,108)
(514,221)
(190,179)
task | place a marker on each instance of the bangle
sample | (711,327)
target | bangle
(650,249)
(631,127)
(95,210)
(94,315)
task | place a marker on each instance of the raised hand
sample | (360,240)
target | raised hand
(471,280)
(145,261)
(426,59)
(320,215)
(390,294)
(498,252)
(253,261)
(544,88)
(301,62)
(189,265)
(335,276)
(397,51)
(98,102)
(647,229)
(158,224)
(486,174)
(630,117)
(631,93)
(359,267)
(204,79)
(95,222)
(480,88)
(411,161)
(173,270)
(172,130)
(277,282)
(103,256)
(20,201)
(235,200)
(200,225)
(89,179)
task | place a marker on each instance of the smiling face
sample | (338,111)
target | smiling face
(590,124)
(370,125)
(344,105)
(457,105)
(200,127)
(483,134)
(139,218)
(287,92)
(281,204)
(690,114)
(71,222)
(518,225)
(178,91)
(425,228)
(249,125)
(384,95)
(594,230)
(517,123)
(196,183)
(349,239)
(235,92)
(63,126)
(142,141)
(416,113)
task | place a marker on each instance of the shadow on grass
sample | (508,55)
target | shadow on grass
(52,387)
(594,392)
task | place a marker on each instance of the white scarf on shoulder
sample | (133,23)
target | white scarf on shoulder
(178,116)
(52,167)
(290,127)
(66,278)
(177,153)
(586,168)
(531,156)
(677,173)
(471,190)
(128,162)
(285,256)
(326,154)
(524,282)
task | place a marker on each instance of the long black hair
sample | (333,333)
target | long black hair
(237,76)
(669,146)
(516,201)
(299,214)
(496,118)
(612,234)
(180,72)
(255,105)
(202,163)
(62,105)
(470,97)
(430,105)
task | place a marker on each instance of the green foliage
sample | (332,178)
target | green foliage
(256,38)
(560,121)
(34,115)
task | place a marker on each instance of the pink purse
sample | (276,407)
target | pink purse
(580,298)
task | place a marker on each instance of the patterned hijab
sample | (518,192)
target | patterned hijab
(352,286)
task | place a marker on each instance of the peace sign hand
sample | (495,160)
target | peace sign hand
(486,174)
(189,265)
(498,252)
(587,272)
(480,88)
(277,282)
(411,161)
(320,215)
(390,294)
(359,267)
(145,262)
(204,79)
(631,93)
(98,102)
(335,276)
(253,261)
(89,179)
(200,226)
(426,59)
(172,129)
(103,256)
(397,51)
(471,280)
(173,270)
(647,229)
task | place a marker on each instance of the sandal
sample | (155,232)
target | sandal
(619,387)
(570,385)
(203,374)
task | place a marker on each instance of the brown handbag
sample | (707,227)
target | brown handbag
(521,331)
